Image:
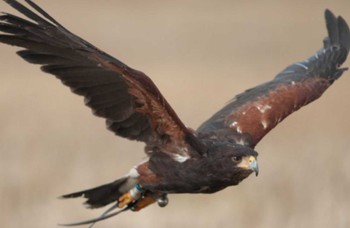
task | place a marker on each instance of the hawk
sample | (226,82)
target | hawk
(220,153)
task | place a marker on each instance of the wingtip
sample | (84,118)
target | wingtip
(328,12)
(344,33)
(338,30)
(332,27)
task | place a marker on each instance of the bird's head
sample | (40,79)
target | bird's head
(235,161)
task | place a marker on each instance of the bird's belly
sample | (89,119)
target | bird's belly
(169,176)
(189,183)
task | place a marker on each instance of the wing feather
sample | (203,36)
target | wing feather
(253,113)
(130,102)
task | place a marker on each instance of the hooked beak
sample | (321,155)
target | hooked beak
(250,163)
(254,167)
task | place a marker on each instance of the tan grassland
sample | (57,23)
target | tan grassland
(200,54)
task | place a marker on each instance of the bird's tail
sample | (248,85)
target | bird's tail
(105,194)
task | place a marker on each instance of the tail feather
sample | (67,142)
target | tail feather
(102,195)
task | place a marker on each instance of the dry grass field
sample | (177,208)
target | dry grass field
(200,54)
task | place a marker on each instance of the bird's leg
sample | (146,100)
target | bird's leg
(141,198)
(144,202)
(131,196)
(149,198)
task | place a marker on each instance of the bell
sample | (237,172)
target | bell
(163,200)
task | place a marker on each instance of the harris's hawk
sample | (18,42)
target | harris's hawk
(220,153)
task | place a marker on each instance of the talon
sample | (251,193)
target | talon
(144,202)
(125,200)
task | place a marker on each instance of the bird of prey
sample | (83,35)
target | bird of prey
(220,153)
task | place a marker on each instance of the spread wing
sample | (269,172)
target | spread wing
(129,101)
(253,113)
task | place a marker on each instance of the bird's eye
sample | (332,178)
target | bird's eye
(237,158)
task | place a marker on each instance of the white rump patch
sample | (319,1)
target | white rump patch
(133,173)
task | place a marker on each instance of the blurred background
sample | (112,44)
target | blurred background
(200,54)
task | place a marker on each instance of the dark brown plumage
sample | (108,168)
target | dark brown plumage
(219,154)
